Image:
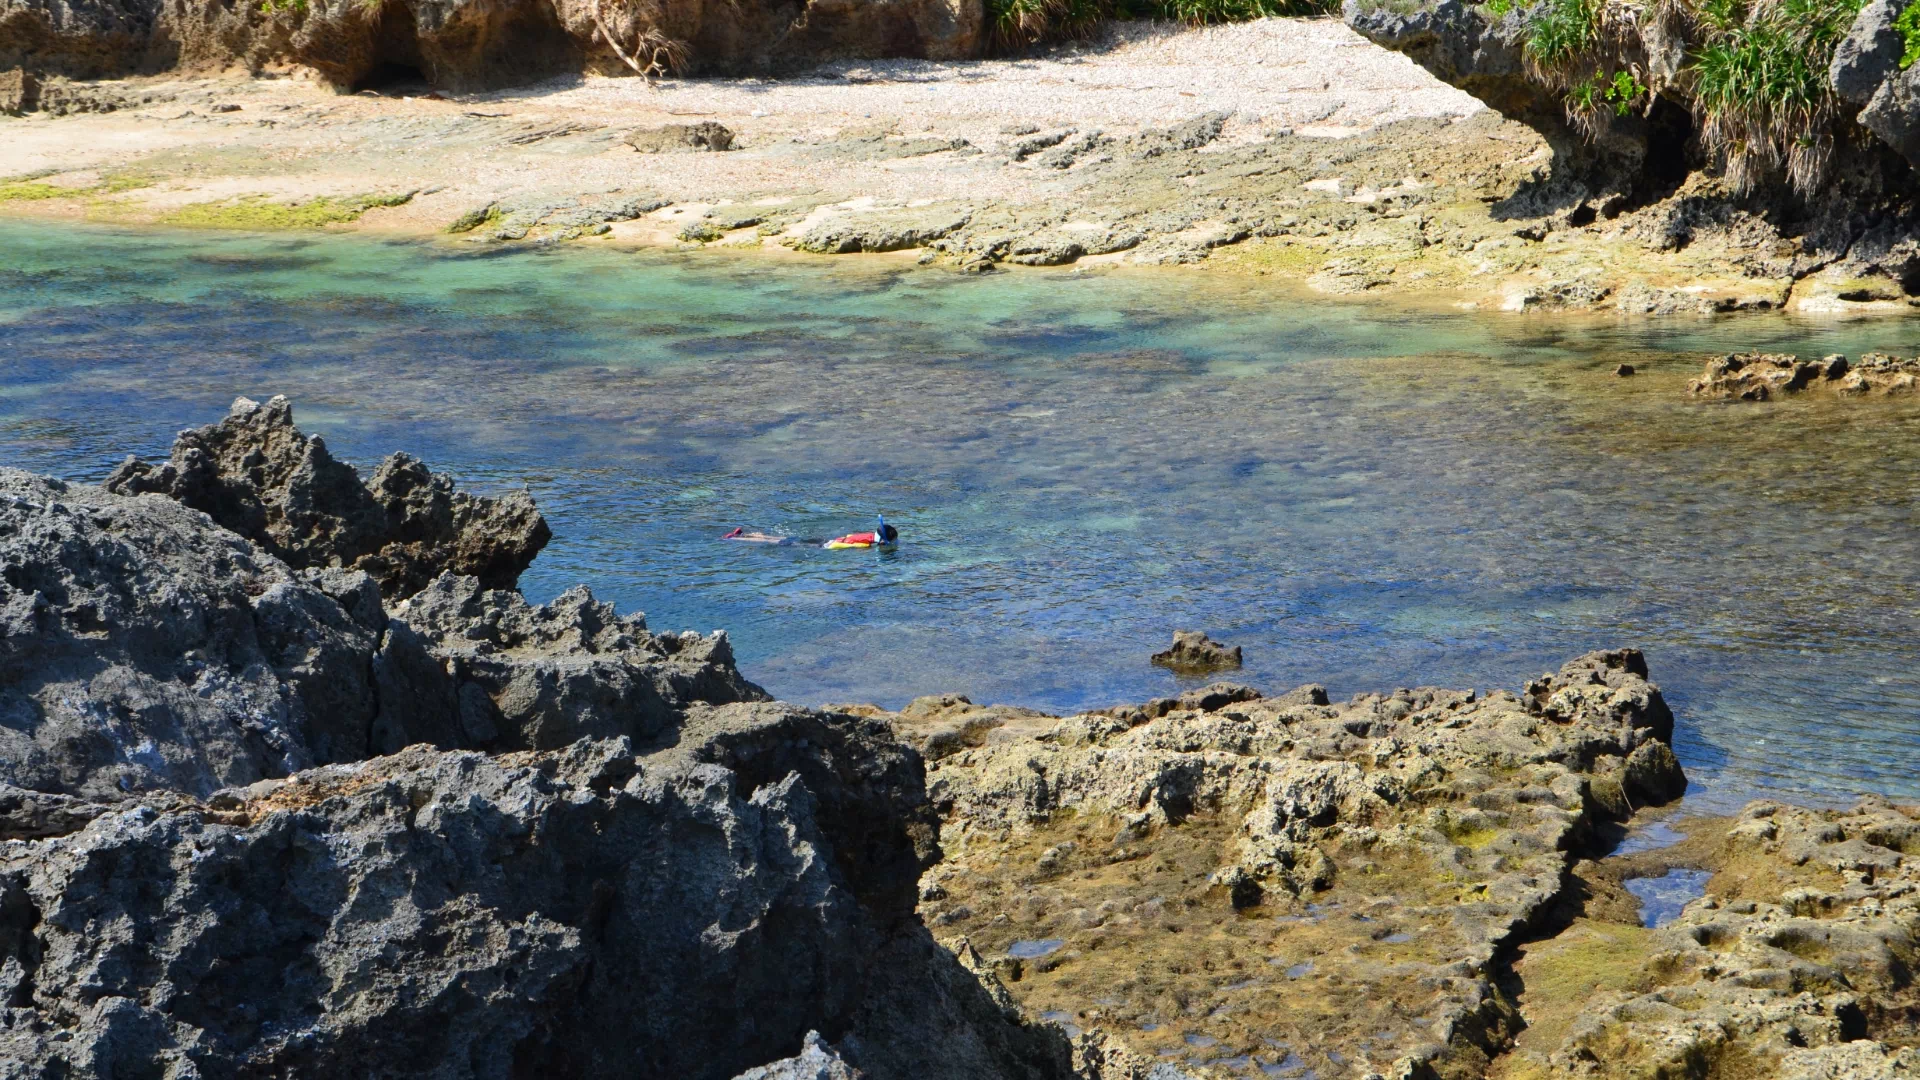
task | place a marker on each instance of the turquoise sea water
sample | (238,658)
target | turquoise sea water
(1079,463)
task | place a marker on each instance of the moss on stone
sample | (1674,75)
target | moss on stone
(257,213)
(22,191)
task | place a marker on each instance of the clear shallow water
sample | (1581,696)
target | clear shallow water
(1079,463)
(1663,898)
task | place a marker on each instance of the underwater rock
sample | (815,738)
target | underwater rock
(257,475)
(1194,653)
(1761,376)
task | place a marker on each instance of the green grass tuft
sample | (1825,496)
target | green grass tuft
(1561,33)
(27,191)
(1909,26)
(1755,76)
(1760,86)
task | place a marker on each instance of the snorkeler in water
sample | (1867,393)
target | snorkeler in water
(883,535)
(755,536)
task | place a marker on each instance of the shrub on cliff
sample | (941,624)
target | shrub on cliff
(1752,72)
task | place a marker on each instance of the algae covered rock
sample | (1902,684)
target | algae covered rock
(1338,881)
(1797,962)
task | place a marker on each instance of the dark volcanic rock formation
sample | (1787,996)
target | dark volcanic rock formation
(143,647)
(446,914)
(464,44)
(255,474)
(651,871)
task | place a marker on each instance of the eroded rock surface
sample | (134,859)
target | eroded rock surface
(145,648)
(1797,962)
(258,476)
(1194,653)
(653,872)
(459,44)
(1763,376)
(582,912)
(1235,878)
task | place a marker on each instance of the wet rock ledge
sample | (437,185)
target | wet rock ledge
(295,782)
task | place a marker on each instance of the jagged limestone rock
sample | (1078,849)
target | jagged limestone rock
(257,475)
(144,647)
(583,912)
(1259,871)
(1194,653)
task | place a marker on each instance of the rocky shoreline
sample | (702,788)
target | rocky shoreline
(1302,154)
(295,782)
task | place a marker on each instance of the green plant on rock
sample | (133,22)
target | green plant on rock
(1759,81)
(1625,91)
(275,7)
(1561,35)
(1908,24)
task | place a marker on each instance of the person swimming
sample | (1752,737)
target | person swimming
(756,537)
(883,535)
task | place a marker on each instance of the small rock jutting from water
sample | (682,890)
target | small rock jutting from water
(1194,653)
